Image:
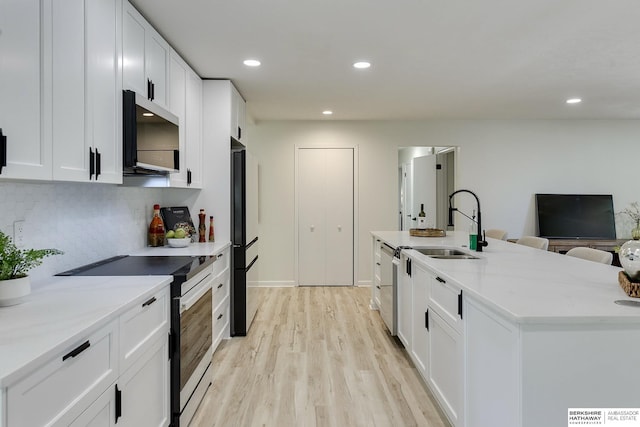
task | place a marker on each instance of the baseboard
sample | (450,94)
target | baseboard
(276,284)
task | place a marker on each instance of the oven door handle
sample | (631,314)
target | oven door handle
(194,295)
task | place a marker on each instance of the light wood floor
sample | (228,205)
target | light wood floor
(316,357)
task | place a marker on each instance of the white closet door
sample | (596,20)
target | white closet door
(311,216)
(339,217)
(325,216)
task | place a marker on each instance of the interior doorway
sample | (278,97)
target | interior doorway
(426,177)
(325,190)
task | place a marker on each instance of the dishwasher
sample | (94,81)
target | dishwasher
(388,287)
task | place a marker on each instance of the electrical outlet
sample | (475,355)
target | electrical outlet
(18,233)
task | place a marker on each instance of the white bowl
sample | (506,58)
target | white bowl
(179,243)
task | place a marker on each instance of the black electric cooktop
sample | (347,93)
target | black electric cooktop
(125,265)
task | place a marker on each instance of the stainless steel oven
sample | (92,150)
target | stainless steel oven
(196,327)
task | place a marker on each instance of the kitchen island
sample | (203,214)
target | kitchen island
(518,336)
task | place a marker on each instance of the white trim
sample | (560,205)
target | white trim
(356,199)
(276,284)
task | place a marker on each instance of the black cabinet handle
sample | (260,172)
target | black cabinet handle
(188,176)
(92,163)
(426,320)
(460,304)
(149,94)
(98,164)
(409,267)
(377,263)
(440,279)
(118,403)
(220,256)
(76,351)
(3,150)
(220,285)
(149,302)
(219,316)
(153,90)
(378,286)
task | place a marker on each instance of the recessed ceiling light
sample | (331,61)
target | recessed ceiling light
(147,114)
(362,64)
(251,62)
(327,112)
(574,101)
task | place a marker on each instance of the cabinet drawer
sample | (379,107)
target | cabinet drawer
(220,320)
(445,299)
(60,390)
(141,325)
(221,263)
(220,288)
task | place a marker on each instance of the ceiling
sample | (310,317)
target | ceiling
(431,59)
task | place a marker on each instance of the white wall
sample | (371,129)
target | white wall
(504,162)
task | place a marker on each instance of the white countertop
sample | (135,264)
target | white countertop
(527,285)
(194,249)
(61,310)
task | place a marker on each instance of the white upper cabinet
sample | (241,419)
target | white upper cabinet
(238,115)
(86,91)
(25,154)
(145,57)
(186,103)
(194,130)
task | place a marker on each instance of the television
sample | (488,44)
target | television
(576,216)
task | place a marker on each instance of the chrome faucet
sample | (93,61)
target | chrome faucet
(482,241)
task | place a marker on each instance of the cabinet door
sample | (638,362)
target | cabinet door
(101,413)
(194,129)
(104,87)
(86,90)
(420,330)
(156,64)
(178,96)
(445,370)
(133,50)
(144,389)
(405,304)
(21,86)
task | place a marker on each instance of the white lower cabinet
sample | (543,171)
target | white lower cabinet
(220,299)
(446,367)
(405,307)
(142,396)
(431,328)
(67,383)
(118,373)
(420,333)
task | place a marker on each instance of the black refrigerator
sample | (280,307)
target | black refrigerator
(244,237)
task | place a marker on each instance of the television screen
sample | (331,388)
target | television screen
(576,216)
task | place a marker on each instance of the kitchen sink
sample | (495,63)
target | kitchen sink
(445,253)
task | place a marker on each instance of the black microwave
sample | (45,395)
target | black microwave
(151,141)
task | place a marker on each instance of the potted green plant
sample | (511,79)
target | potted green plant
(14,265)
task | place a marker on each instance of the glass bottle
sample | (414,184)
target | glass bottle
(212,237)
(156,228)
(201,226)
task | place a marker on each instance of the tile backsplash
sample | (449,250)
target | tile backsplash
(89,222)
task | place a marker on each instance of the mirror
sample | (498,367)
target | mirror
(426,177)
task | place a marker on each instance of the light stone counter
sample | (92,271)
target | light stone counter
(194,249)
(59,311)
(524,284)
